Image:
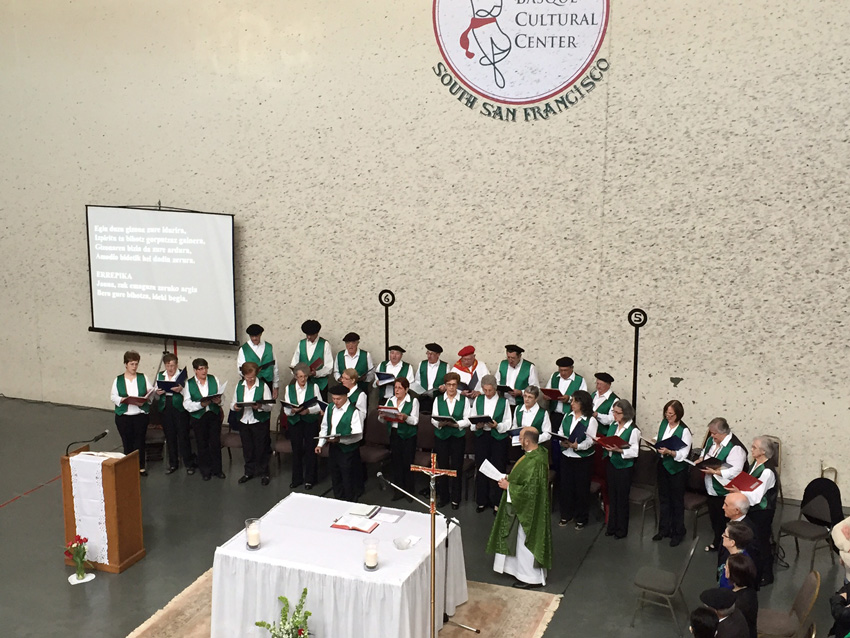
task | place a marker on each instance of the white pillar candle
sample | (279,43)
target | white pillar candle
(253,535)
(371,558)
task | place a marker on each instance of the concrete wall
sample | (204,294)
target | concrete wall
(704,180)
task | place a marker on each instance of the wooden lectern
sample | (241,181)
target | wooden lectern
(123,501)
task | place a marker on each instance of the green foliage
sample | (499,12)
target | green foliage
(294,626)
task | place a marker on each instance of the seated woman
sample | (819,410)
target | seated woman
(450,441)
(402,435)
(491,441)
(131,417)
(303,426)
(741,574)
(735,539)
(620,465)
(577,460)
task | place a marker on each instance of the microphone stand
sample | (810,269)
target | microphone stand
(449,520)
(94,440)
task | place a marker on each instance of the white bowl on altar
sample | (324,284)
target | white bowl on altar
(402,542)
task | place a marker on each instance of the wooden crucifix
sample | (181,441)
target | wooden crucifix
(433,471)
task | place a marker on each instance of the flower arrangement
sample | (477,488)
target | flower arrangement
(294,626)
(76,551)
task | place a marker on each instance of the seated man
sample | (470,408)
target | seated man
(521,536)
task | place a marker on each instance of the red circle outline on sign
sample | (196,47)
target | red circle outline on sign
(482,94)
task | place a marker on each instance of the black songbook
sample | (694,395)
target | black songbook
(267,365)
(578,433)
(445,421)
(711,463)
(674,444)
(480,420)
(169,386)
(309,403)
(241,404)
(505,389)
(384,378)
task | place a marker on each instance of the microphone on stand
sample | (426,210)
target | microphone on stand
(94,440)
(449,519)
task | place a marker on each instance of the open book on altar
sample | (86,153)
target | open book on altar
(354,523)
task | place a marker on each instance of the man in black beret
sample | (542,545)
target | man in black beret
(260,352)
(429,377)
(316,353)
(732,623)
(565,381)
(396,367)
(516,373)
(603,402)
(343,430)
(352,357)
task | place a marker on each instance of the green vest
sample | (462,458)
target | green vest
(457,414)
(354,396)
(343,428)
(567,427)
(292,397)
(498,415)
(195,395)
(605,408)
(756,473)
(261,415)
(442,368)
(536,423)
(176,398)
(267,373)
(521,377)
(405,430)
(724,453)
(121,385)
(318,353)
(555,382)
(670,464)
(362,366)
(617,460)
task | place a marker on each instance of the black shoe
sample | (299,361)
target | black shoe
(441,503)
(480,509)
(293,485)
(265,480)
(455,506)
(171,470)
(244,479)
(608,532)
(766,581)
(308,486)
(619,537)
(190,471)
(675,541)
(521,585)
(220,475)
(659,536)
(143,472)
(580,525)
(207,477)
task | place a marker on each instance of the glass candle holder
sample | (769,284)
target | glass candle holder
(370,556)
(252,533)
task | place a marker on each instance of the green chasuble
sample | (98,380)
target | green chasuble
(529,486)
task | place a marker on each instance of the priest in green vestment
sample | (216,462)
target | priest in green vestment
(521,536)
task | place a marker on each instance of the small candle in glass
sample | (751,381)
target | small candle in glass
(370,558)
(252,533)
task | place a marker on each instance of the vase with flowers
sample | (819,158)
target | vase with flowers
(76,551)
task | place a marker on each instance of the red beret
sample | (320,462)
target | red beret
(466,351)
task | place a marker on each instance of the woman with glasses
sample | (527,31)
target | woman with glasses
(577,459)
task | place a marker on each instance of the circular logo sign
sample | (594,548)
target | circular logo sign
(519,51)
(637,317)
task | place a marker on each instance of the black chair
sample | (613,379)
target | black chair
(821,506)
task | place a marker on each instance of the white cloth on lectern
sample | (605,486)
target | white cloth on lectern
(89,506)
(520,566)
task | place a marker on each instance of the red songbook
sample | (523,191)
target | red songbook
(318,363)
(744,482)
(551,393)
(612,441)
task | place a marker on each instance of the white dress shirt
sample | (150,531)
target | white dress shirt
(247,417)
(327,429)
(327,357)
(480,371)
(132,391)
(599,399)
(768,480)
(388,389)
(736,459)
(528,417)
(511,375)
(687,439)
(360,403)
(259,349)
(412,418)
(489,409)
(203,389)
(351,362)
(431,370)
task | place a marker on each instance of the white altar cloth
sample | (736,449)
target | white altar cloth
(300,549)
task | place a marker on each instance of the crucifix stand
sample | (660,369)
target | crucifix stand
(433,472)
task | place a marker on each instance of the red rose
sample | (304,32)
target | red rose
(84,540)
(68,554)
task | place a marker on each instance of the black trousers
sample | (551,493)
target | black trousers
(487,491)
(450,457)
(763,521)
(256,447)
(717,518)
(344,467)
(555,455)
(575,487)
(671,502)
(619,485)
(207,431)
(304,461)
(175,425)
(402,452)
(133,430)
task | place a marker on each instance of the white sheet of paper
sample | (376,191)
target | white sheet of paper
(515,440)
(489,470)
(386,517)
